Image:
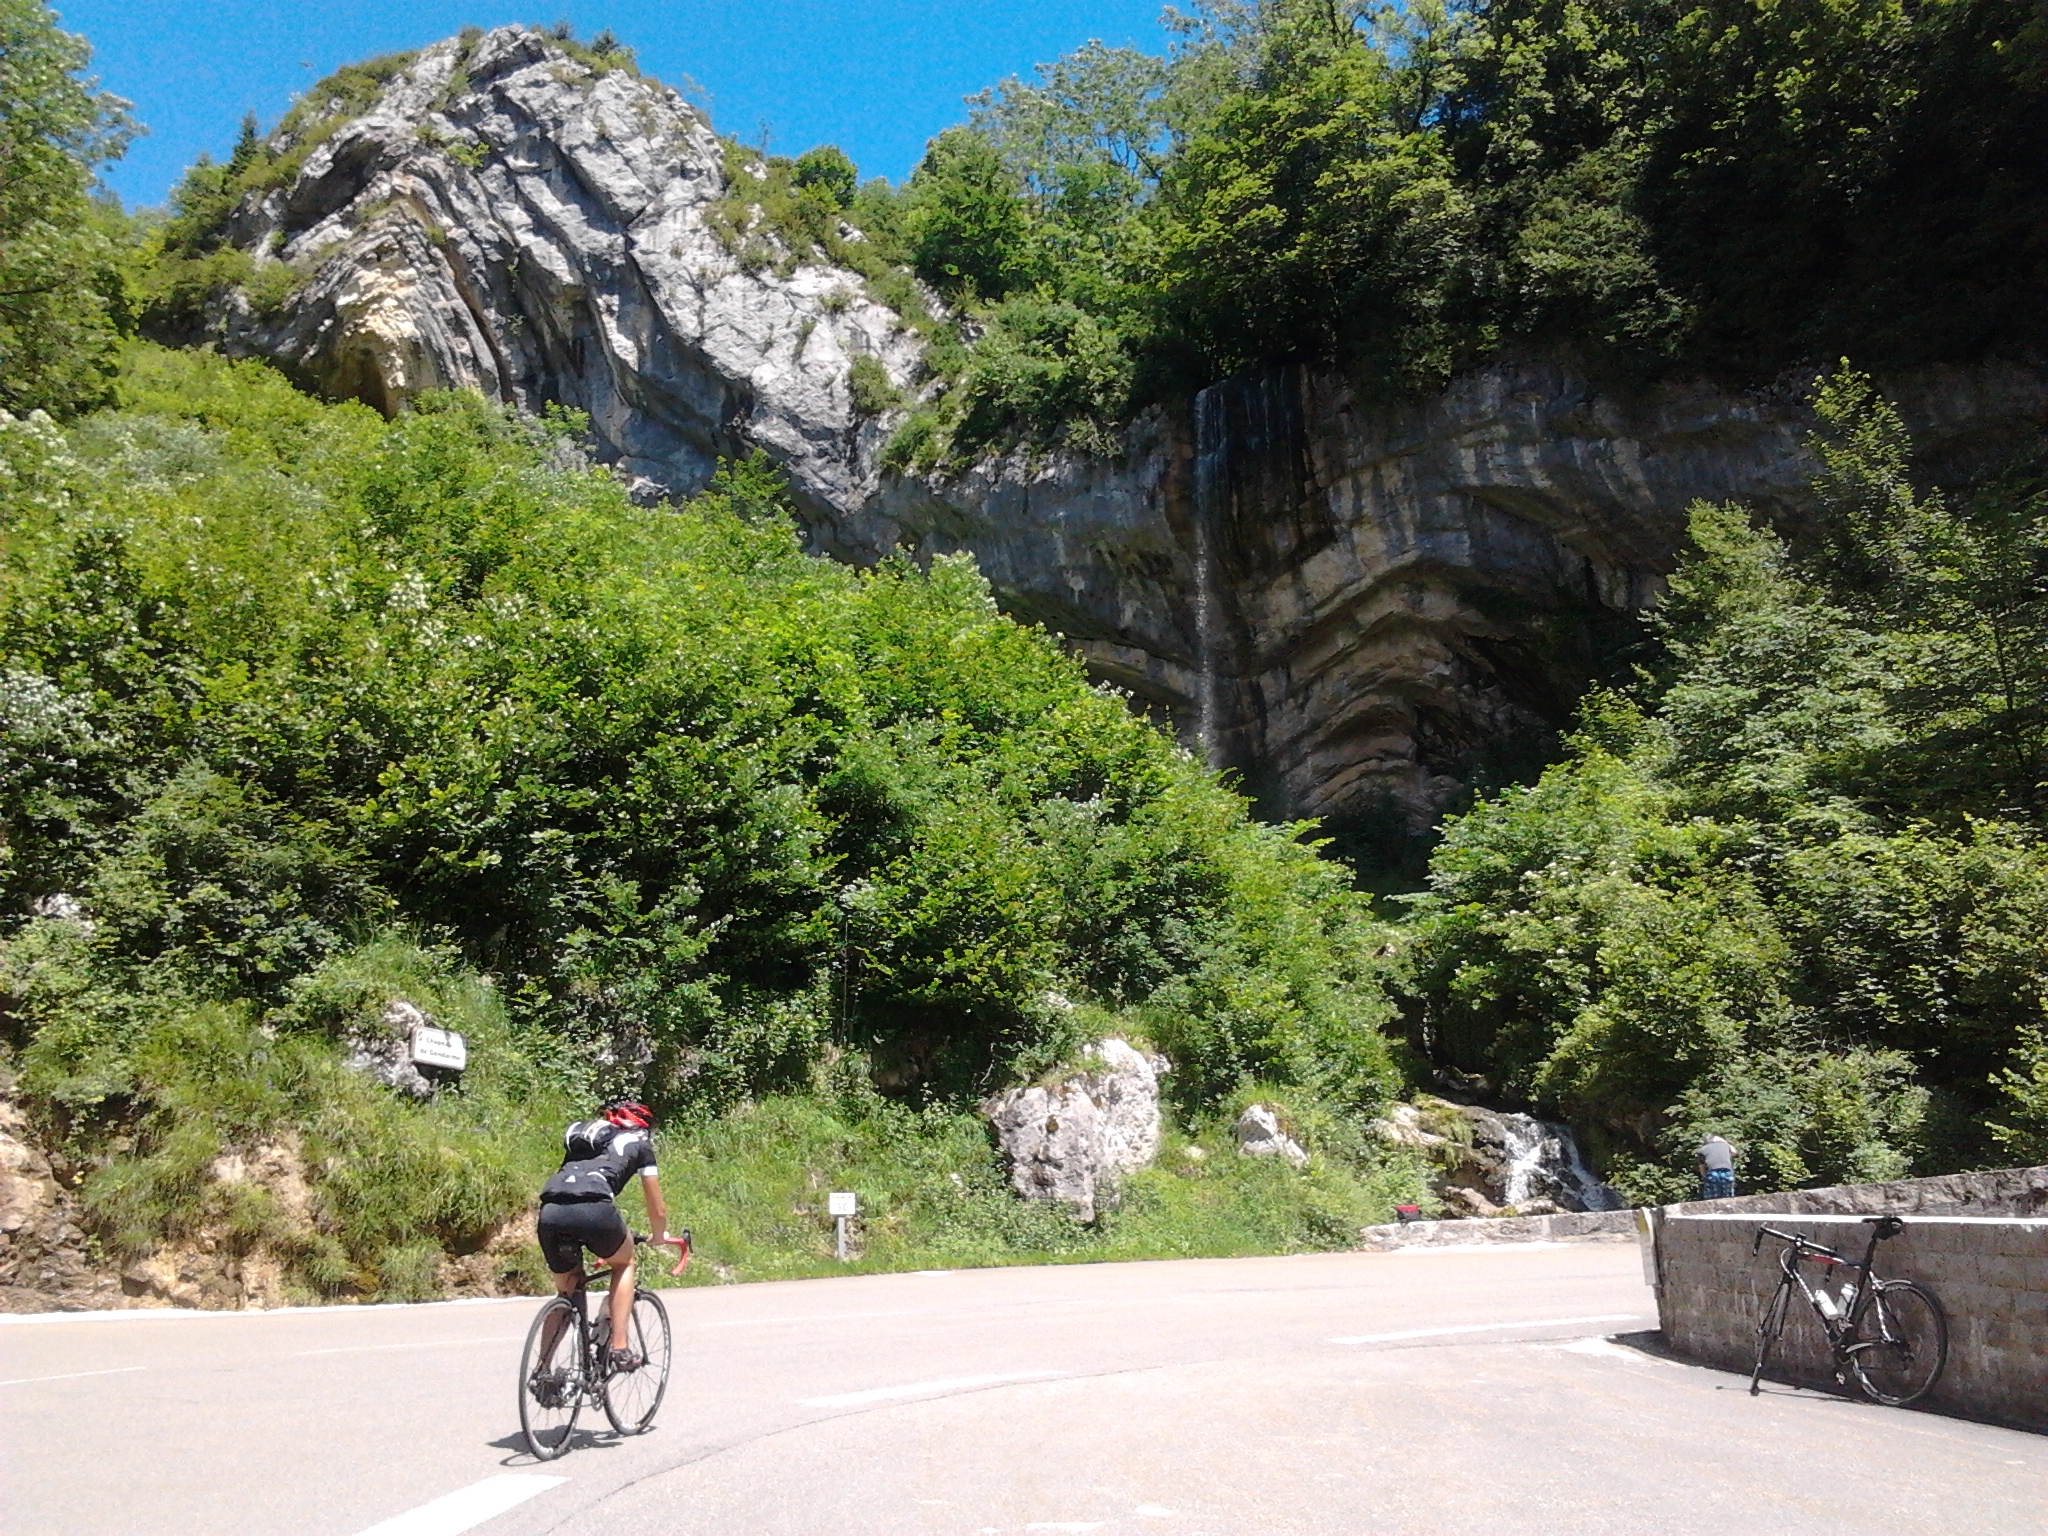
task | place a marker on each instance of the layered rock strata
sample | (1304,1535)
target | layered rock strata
(1354,605)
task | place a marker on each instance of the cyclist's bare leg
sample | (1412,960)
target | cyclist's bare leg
(621,1266)
(565,1285)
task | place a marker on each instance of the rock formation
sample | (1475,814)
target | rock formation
(44,1265)
(1354,605)
(383,1051)
(1487,1162)
(1070,1141)
(1259,1134)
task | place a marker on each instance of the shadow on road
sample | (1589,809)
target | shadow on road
(586,1440)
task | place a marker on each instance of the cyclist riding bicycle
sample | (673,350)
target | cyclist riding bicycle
(579,1208)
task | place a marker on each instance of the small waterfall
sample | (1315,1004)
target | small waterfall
(1544,1161)
(1208,474)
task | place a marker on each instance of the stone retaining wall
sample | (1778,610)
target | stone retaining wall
(1990,1274)
(1996,1192)
(1501,1229)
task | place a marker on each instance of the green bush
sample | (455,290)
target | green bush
(317,711)
(1749,901)
(873,392)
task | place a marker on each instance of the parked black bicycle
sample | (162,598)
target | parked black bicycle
(1890,1336)
(567,1366)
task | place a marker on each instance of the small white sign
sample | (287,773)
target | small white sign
(439,1048)
(842,1203)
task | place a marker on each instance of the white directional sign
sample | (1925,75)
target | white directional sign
(439,1048)
(842,1203)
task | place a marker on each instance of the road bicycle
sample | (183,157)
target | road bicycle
(1890,1336)
(566,1365)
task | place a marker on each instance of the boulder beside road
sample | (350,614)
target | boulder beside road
(1070,1141)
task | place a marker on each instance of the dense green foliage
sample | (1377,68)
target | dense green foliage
(298,699)
(1407,190)
(1795,888)
(61,294)
(1400,191)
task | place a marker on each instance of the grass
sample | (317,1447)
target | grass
(752,1185)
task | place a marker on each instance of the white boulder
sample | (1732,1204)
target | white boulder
(1259,1135)
(1070,1141)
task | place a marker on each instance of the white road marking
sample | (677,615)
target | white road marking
(466,1508)
(923,1389)
(24,1381)
(1436,1333)
(1596,1345)
(1153,1511)
(365,1349)
(1066,1525)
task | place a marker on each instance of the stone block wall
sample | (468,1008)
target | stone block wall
(1990,1274)
(1565,1225)
(1993,1192)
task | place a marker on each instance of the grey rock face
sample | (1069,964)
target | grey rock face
(1350,604)
(1070,1142)
(504,219)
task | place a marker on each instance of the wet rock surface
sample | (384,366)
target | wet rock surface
(1491,1163)
(1069,1142)
(1350,602)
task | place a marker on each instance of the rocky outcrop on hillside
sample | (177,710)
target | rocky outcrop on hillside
(509,219)
(1492,1163)
(1352,604)
(1069,1141)
(45,1265)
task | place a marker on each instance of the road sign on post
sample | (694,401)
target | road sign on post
(441,1048)
(841,1205)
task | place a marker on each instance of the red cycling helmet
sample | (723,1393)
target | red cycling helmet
(629,1112)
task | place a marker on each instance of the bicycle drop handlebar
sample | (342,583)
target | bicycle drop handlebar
(1887,1226)
(681,1243)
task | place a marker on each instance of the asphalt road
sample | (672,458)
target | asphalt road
(1485,1390)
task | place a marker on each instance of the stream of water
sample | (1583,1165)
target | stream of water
(1544,1161)
(1208,474)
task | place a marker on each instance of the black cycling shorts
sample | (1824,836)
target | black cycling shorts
(567,1227)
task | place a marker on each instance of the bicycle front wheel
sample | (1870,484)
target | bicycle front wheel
(552,1376)
(630,1397)
(1905,1348)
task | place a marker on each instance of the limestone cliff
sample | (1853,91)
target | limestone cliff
(1351,605)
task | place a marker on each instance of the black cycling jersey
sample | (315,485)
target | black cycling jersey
(597,1160)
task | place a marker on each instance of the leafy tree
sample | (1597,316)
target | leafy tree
(968,227)
(828,169)
(58,273)
(1794,889)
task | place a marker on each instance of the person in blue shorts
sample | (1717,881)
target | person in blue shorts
(1717,1168)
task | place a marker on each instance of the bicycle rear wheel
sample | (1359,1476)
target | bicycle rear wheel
(1768,1327)
(1908,1345)
(552,1377)
(630,1397)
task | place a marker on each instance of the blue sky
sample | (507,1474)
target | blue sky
(876,77)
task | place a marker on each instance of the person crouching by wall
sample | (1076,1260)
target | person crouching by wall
(1717,1168)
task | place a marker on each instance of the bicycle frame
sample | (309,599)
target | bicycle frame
(596,1280)
(1841,1327)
